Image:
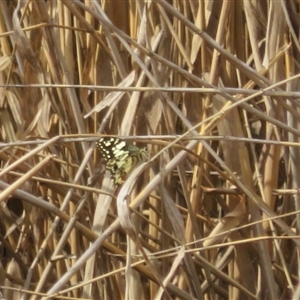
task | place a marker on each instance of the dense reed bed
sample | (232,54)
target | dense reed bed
(211,89)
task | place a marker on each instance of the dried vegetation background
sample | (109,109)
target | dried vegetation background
(211,88)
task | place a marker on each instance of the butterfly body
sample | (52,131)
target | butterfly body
(121,157)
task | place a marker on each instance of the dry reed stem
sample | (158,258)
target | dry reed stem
(212,88)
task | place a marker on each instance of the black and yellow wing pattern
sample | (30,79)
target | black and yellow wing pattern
(121,157)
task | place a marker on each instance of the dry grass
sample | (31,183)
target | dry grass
(211,88)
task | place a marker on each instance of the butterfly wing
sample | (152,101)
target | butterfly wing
(121,157)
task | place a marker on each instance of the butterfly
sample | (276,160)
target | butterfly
(121,157)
